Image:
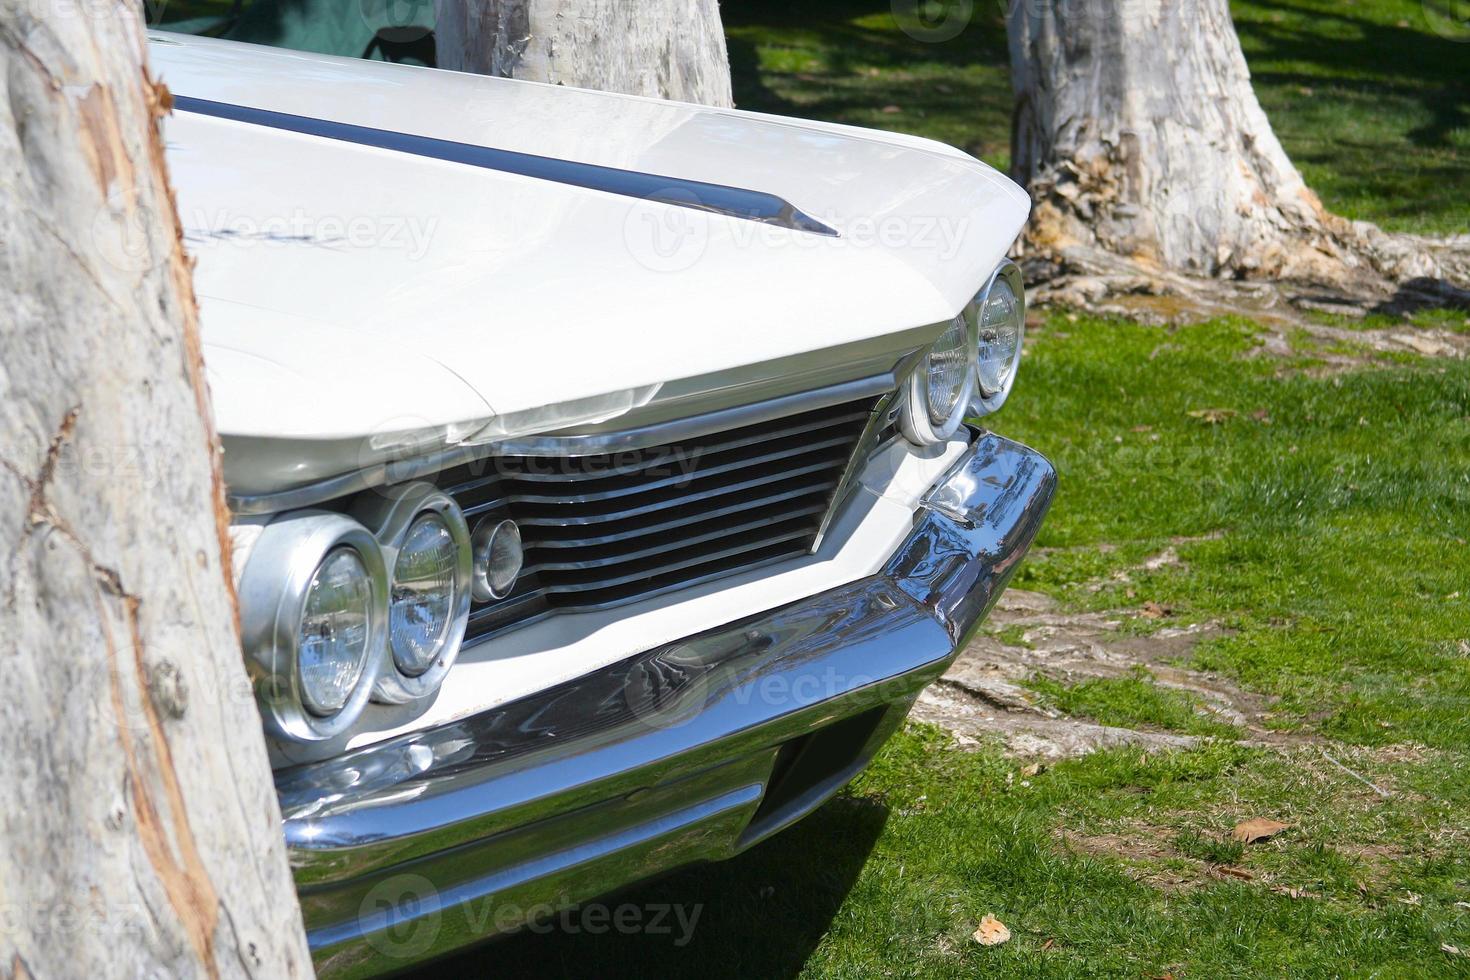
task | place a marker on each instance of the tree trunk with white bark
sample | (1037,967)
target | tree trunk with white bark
(1145,149)
(141,833)
(667,49)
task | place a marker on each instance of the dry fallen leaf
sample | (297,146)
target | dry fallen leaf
(1452,950)
(992,932)
(1212,416)
(1152,610)
(1293,892)
(1234,872)
(1035,769)
(1257,828)
(1048,944)
(890,109)
(1410,899)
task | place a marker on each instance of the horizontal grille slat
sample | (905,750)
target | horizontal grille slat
(661,522)
(560,560)
(600,531)
(582,495)
(541,517)
(573,474)
(586,580)
(683,579)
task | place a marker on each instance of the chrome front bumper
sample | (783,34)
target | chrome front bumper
(694,751)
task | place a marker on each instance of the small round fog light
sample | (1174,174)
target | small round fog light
(498,558)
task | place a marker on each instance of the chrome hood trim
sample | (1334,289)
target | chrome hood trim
(735,202)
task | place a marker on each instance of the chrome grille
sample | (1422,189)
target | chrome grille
(604,530)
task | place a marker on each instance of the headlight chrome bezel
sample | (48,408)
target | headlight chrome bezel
(390,514)
(985,403)
(272,599)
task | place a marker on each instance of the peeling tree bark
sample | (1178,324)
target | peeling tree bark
(1144,147)
(141,829)
(668,49)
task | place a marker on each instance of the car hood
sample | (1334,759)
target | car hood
(347,288)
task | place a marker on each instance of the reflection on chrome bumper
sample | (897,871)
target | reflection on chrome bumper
(690,752)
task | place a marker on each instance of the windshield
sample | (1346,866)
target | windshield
(382,30)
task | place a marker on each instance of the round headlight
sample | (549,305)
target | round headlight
(942,386)
(334,637)
(1001,313)
(424,589)
(948,365)
(427,542)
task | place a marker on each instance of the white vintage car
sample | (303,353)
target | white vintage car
(602,488)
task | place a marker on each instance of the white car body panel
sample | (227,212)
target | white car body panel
(529,290)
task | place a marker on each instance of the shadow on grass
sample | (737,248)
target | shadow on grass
(761,914)
(1397,60)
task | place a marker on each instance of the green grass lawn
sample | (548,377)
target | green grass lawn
(1320,516)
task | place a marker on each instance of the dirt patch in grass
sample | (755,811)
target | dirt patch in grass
(1336,349)
(1152,855)
(998,684)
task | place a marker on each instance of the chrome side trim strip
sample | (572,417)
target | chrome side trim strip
(879,419)
(642,437)
(734,202)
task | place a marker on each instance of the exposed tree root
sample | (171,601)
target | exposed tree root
(1091,278)
(984,694)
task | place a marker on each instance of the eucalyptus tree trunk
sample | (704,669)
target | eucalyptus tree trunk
(141,833)
(668,49)
(1140,137)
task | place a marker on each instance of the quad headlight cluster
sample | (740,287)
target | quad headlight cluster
(969,370)
(341,608)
